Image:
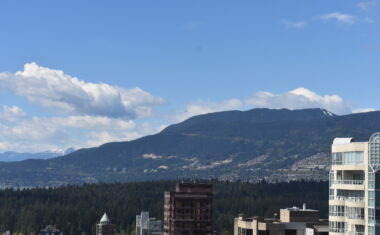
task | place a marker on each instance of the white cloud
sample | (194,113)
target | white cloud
(365,110)
(294,24)
(298,99)
(3,146)
(46,133)
(97,138)
(366,5)
(339,17)
(92,122)
(56,90)
(203,107)
(11,114)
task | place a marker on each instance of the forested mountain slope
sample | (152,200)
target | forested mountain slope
(250,145)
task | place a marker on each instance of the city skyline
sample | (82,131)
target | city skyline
(82,74)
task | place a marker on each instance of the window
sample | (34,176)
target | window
(337,227)
(331,180)
(374,149)
(371,198)
(355,213)
(332,194)
(371,180)
(371,230)
(336,210)
(371,215)
(348,158)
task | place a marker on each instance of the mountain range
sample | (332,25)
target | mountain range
(275,145)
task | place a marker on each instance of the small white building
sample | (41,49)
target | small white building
(148,226)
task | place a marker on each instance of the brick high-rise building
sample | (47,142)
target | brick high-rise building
(188,210)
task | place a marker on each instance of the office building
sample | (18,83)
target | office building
(188,210)
(148,226)
(354,184)
(292,221)
(105,227)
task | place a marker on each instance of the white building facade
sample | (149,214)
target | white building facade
(148,226)
(353,188)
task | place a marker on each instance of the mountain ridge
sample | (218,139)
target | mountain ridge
(294,144)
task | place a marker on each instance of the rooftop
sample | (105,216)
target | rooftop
(105,219)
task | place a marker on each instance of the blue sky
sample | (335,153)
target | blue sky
(146,64)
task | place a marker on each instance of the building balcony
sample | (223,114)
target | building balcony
(337,230)
(354,182)
(355,233)
(348,184)
(349,199)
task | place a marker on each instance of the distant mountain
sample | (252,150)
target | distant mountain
(14,156)
(276,145)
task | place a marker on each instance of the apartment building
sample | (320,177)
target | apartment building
(188,210)
(354,184)
(292,221)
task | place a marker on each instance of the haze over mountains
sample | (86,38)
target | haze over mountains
(276,145)
(14,156)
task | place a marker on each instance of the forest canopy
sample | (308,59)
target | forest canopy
(76,209)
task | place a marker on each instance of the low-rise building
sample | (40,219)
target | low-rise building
(292,221)
(148,226)
(50,230)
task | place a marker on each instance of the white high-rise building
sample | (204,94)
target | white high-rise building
(353,207)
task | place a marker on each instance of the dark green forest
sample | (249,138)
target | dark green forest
(76,209)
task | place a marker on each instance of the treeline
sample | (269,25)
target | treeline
(76,209)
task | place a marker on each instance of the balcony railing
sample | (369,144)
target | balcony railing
(355,233)
(355,199)
(350,199)
(337,230)
(347,163)
(355,182)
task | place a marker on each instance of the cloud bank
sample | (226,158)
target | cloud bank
(91,114)
(299,98)
(55,90)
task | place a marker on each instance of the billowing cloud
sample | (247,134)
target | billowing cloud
(339,17)
(294,24)
(298,99)
(202,107)
(53,89)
